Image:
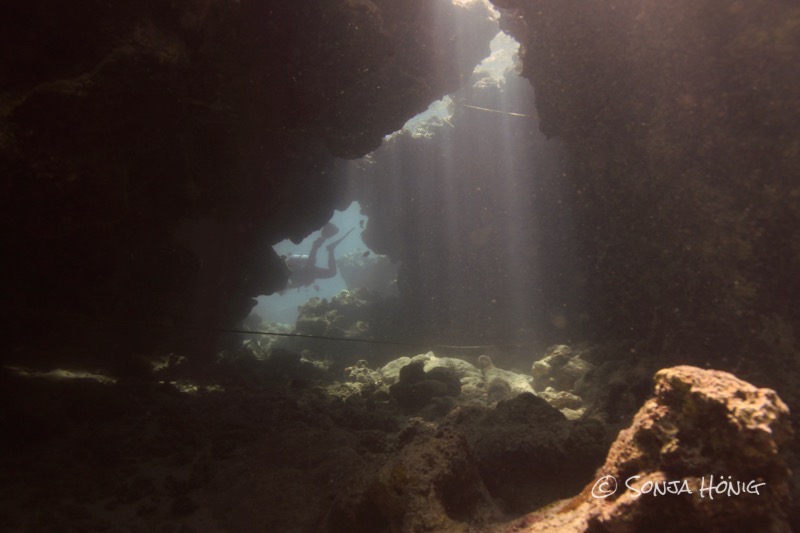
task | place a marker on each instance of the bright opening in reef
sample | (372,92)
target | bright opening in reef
(452,198)
(353,259)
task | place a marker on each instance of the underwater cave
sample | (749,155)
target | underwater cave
(434,265)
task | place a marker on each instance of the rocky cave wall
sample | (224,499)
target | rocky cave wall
(153,152)
(680,120)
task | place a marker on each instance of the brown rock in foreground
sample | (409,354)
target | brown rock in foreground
(699,424)
(432,484)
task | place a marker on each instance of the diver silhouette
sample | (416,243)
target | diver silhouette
(303,268)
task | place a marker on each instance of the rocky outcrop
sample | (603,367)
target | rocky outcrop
(556,377)
(443,383)
(152,153)
(561,368)
(702,429)
(432,484)
(527,452)
(517,383)
(415,387)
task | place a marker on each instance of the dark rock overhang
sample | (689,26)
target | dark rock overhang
(153,152)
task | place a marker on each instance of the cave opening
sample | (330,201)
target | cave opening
(486,220)
(451,223)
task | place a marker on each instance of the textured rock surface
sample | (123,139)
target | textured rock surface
(560,368)
(432,484)
(680,121)
(416,387)
(473,385)
(481,385)
(517,383)
(700,423)
(528,453)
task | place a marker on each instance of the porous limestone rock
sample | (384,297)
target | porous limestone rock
(560,368)
(431,484)
(472,383)
(481,385)
(699,424)
(561,399)
(497,390)
(528,453)
(473,386)
(518,384)
(462,369)
(391,371)
(361,373)
(415,387)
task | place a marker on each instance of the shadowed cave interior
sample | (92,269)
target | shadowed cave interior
(569,249)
